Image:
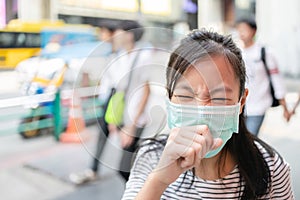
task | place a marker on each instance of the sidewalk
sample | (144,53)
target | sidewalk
(41,170)
(285,138)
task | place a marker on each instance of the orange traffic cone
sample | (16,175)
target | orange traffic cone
(76,131)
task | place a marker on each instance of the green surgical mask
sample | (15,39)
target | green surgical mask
(222,121)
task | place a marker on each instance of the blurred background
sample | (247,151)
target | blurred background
(44,46)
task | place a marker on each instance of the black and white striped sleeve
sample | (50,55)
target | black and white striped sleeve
(281,187)
(146,160)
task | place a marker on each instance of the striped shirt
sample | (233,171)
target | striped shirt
(229,187)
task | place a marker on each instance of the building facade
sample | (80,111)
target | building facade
(278,25)
(278,21)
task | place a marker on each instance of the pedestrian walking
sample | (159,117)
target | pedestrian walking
(263,77)
(208,152)
(126,73)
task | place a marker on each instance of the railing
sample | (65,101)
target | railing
(46,113)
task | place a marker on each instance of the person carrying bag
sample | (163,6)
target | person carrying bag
(260,68)
(122,115)
(116,103)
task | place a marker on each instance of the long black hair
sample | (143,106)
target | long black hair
(254,170)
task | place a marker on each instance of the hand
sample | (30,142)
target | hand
(185,148)
(287,115)
(112,128)
(127,136)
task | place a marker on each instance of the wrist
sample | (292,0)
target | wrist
(129,129)
(283,103)
(152,189)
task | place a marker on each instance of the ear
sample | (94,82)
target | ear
(243,99)
(130,36)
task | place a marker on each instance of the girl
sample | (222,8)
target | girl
(209,153)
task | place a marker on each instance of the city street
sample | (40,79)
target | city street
(39,168)
(63,61)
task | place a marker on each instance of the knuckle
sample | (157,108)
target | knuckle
(205,128)
(197,147)
(202,129)
(201,139)
(189,151)
(173,134)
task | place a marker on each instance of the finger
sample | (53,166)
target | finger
(198,144)
(195,134)
(175,153)
(188,158)
(177,150)
(190,131)
(179,136)
(181,139)
(217,142)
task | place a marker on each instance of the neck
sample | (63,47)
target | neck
(248,43)
(216,167)
(129,47)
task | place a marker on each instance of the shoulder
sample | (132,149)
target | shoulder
(146,160)
(274,160)
(155,144)
(268,49)
(144,51)
(150,150)
(280,186)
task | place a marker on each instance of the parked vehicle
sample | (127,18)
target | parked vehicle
(52,70)
(41,89)
(20,40)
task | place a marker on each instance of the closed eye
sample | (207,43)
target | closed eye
(219,99)
(183,96)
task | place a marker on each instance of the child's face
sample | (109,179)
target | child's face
(246,33)
(105,34)
(211,81)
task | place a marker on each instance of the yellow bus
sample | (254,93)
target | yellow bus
(20,40)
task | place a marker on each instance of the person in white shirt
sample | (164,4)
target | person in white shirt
(259,98)
(129,71)
(126,71)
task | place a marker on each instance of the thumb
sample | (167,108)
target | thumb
(217,143)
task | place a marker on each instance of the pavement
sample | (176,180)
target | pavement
(38,168)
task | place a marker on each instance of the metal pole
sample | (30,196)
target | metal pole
(57,116)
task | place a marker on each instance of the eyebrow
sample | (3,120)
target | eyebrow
(221,89)
(184,86)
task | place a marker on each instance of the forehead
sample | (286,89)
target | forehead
(244,25)
(211,71)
